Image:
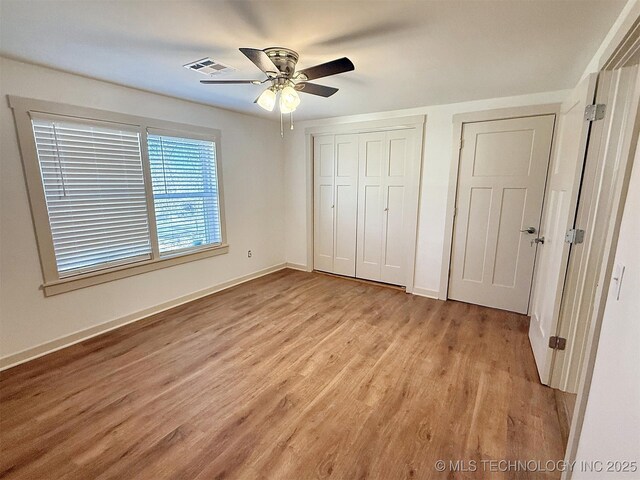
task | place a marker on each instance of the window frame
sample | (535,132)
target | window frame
(23,109)
(147,170)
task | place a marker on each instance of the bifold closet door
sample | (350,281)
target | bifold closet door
(323,231)
(395,246)
(335,203)
(370,205)
(385,162)
(345,204)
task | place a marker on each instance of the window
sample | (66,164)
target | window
(94,190)
(185,192)
(115,195)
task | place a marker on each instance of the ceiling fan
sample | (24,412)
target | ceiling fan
(279,65)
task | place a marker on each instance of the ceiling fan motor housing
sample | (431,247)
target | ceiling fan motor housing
(283,58)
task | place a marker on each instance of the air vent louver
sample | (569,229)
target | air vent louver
(207,66)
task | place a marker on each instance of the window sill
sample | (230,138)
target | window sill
(94,278)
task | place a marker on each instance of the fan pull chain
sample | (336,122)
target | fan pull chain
(281,129)
(291,120)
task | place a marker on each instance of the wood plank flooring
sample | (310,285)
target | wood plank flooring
(291,376)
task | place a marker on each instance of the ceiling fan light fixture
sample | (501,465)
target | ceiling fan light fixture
(267,99)
(279,66)
(289,100)
(284,108)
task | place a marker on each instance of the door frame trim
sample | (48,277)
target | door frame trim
(627,45)
(458,123)
(417,122)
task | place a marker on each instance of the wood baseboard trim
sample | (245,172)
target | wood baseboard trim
(565,405)
(297,266)
(68,340)
(425,292)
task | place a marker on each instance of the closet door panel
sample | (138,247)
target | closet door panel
(346,204)
(399,149)
(392,269)
(323,231)
(371,226)
(398,162)
(370,205)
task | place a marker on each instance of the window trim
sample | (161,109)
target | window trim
(23,108)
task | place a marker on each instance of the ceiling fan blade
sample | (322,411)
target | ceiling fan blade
(261,60)
(315,89)
(334,67)
(230,82)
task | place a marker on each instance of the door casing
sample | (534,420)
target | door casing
(610,141)
(623,51)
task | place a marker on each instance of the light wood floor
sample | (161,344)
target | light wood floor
(292,376)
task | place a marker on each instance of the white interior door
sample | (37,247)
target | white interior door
(323,204)
(345,204)
(373,151)
(503,168)
(558,217)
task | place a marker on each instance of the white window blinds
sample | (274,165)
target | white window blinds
(95,194)
(185,192)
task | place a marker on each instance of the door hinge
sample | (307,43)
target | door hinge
(574,236)
(594,112)
(557,343)
(461,144)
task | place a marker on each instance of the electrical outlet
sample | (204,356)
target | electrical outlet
(249,254)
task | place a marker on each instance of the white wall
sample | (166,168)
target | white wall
(611,428)
(253,167)
(434,183)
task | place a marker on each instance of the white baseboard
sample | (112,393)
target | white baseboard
(68,340)
(297,266)
(425,292)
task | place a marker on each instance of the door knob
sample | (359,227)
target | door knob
(537,240)
(530,230)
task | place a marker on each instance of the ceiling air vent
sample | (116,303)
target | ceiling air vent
(207,66)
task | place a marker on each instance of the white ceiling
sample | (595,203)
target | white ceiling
(406,53)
